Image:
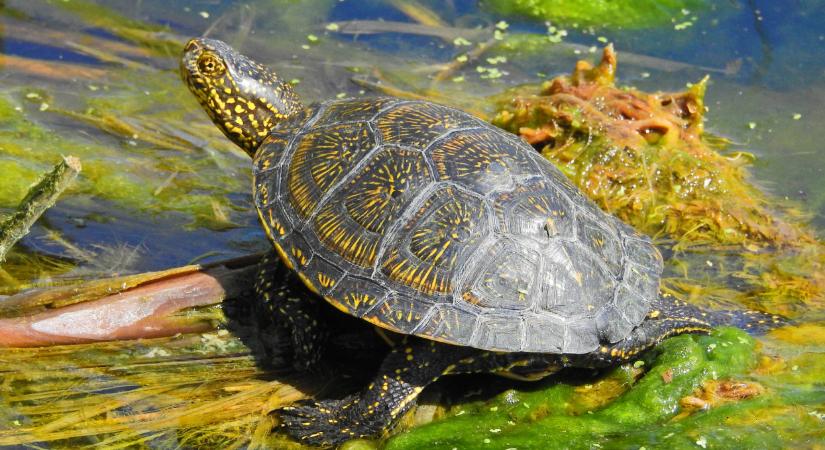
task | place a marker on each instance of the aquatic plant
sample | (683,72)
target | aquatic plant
(601,13)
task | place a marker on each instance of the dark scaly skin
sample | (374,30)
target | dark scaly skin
(247,102)
(296,310)
(214,73)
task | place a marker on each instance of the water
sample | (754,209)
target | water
(161,187)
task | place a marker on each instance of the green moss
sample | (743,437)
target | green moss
(549,418)
(147,155)
(117,185)
(13,189)
(601,13)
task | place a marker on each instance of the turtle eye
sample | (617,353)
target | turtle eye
(211,66)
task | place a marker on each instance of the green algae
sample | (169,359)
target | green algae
(549,418)
(602,13)
(648,411)
(16,187)
(134,168)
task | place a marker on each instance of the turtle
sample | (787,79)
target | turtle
(433,224)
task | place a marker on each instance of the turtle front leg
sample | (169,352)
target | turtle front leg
(293,308)
(404,373)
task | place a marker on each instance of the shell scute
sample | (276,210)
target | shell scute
(448,323)
(323,157)
(479,159)
(434,242)
(399,313)
(354,221)
(506,279)
(602,239)
(353,110)
(536,209)
(543,333)
(357,295)
(418,124)
(499,332)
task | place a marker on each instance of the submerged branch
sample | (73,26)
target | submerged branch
(418,12)
(49,69)
(137,306)
(360,27)
(40,197)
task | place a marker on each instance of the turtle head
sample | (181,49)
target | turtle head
(245,99)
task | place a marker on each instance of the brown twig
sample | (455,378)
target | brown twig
(40,197)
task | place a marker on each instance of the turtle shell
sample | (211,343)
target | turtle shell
(425,220)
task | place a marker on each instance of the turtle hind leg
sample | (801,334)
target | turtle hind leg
(403,374)
(292,309)
(669,317)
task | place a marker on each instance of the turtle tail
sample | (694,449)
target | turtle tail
(754,322)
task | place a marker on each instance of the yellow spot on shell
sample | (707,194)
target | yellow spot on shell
(325,280)
(299,256)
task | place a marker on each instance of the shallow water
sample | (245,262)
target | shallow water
(161,187)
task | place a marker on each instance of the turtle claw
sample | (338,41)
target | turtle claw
(319,424)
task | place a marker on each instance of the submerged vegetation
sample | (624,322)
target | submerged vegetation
(150,155)
(603,13)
